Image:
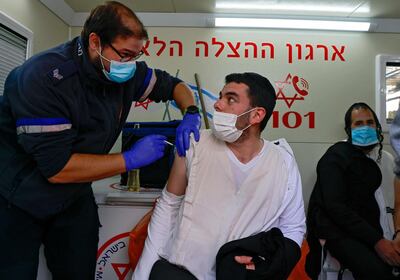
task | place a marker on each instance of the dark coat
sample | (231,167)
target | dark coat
(342,203)
(273,254)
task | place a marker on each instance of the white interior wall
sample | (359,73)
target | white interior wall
(333,85)
(48,30)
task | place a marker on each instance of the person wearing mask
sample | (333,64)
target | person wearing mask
(61,113)
(233,184)
(347,208)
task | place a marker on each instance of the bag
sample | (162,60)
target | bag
(156,174)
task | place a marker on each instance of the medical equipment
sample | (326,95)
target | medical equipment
(156,174)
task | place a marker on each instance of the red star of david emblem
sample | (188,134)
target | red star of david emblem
(144,104)
(280,95)
(121,269)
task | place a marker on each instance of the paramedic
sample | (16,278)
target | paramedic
(61,113)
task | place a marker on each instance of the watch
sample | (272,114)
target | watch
(192,109)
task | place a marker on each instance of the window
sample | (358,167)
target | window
(15,46)
(387,88)
(392,90)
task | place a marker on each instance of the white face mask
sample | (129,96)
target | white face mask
(224,126)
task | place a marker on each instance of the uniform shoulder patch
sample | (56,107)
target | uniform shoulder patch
(62,71)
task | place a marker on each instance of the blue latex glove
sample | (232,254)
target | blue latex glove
(190,124)
(145,151)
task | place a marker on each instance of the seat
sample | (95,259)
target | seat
(298,272)
(331,268)
(137,238)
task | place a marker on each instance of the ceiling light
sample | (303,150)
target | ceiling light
(293,24)
(283,7)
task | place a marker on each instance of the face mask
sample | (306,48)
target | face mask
(364,136)
(224,126)
(120,72)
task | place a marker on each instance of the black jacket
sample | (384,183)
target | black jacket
(274,256)
(57,104)
(342,203)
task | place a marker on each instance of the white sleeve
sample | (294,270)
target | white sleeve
(161,224)
(292,221)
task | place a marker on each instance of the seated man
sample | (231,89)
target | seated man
(232,184)
(347,207)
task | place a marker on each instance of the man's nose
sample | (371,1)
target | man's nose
(218,106)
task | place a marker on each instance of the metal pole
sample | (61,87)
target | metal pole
(166,112)
(203,106)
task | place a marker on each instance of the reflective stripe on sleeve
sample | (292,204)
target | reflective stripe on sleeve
(151,79)
(40,125)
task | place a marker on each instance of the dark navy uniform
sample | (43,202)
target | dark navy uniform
(54,105)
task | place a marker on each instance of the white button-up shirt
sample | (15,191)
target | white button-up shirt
(166,224)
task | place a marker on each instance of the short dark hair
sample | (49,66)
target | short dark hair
(348,121)
(261,93)
(108,21)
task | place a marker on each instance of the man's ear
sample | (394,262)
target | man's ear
(94,41)
(258,115)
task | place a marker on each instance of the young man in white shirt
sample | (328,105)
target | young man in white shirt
(231,185)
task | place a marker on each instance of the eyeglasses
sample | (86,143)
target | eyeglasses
(128,57)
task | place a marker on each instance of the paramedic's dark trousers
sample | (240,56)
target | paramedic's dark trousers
(362,261)
(70,239)
(163,270)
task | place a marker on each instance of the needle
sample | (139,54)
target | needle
(169,143)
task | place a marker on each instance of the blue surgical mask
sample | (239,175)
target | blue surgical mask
(364,136)
(120,72)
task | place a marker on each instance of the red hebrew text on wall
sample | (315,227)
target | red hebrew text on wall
(245,50)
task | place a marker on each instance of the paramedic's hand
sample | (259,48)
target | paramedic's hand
(247,261)
(386,250)
(145,151)
(190,124)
